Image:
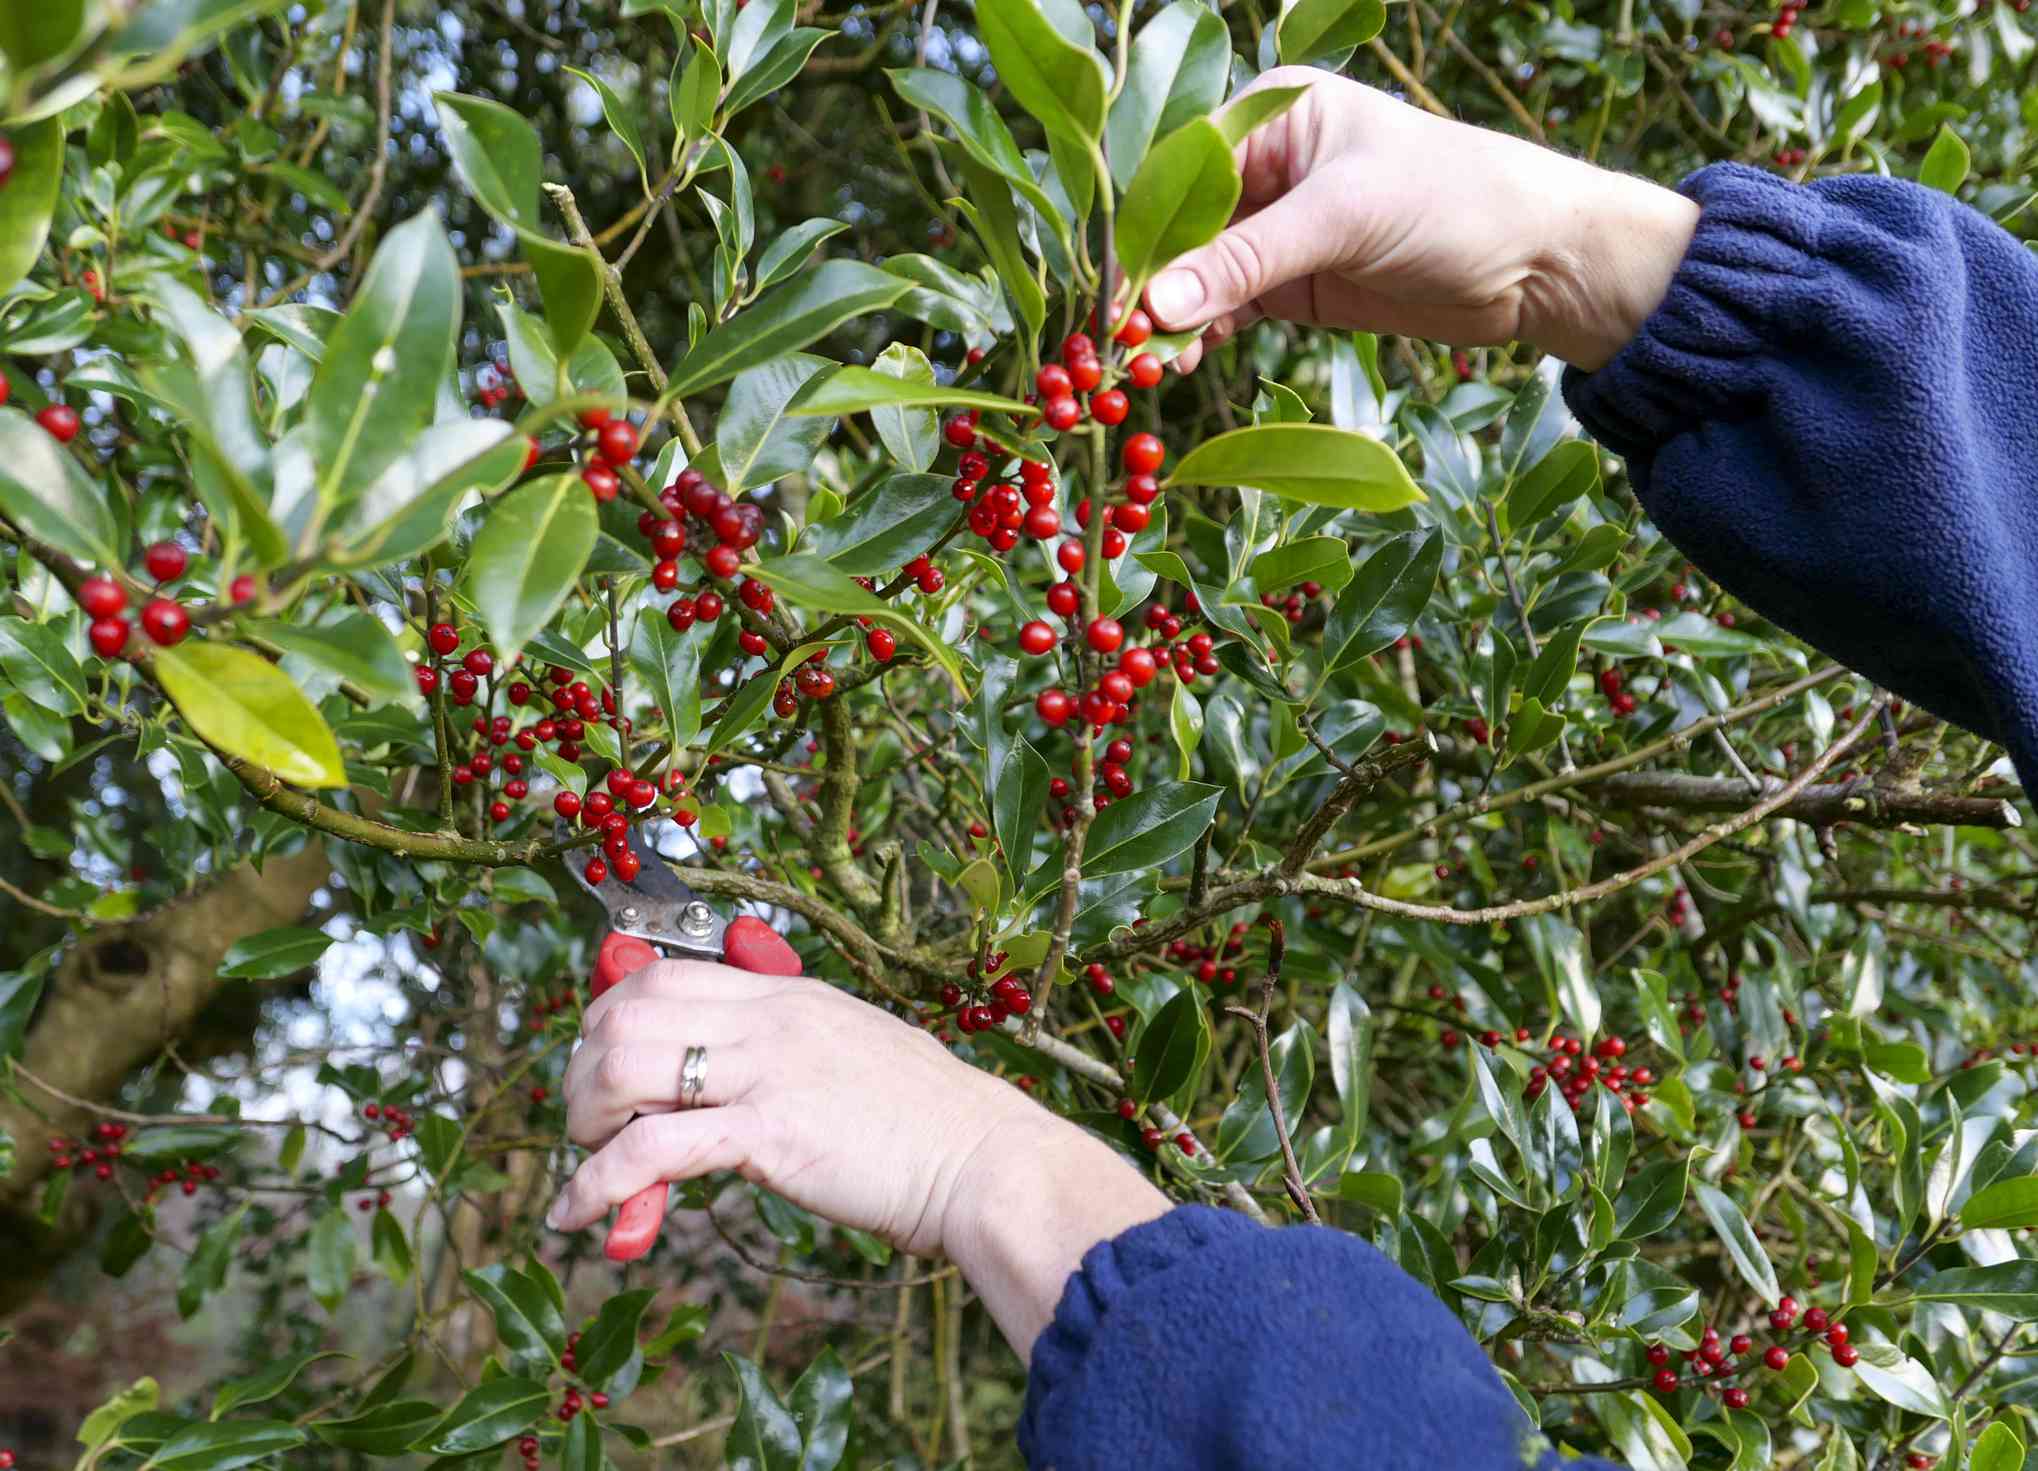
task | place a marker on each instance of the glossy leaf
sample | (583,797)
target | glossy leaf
(1173,1048)
(784,320)
(1384,597)
(608,1347)
(887,526)
(622,120)
(1568,471)
(822,1407)
(409,507)
(981,132)
(1325,560)
(376,385)
(1177,69)
(500,159)
(527,557)
(910,435)
(247,707)
(35,659)
(387,1429)
(1047,61)
(1312,29)
(1254,109)
(224,1445)
(1946,162)
(765,1436)
(669,664)
(357,648)
(1743,1249)
(756,434)
(48,494)
(1182,197)
(29,201)
(329,1258)
(824,587)
(486,1416)
(853,390)
(1312,463)
(270,954)
(1149,828)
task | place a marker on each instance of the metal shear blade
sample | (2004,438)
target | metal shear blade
(656,906)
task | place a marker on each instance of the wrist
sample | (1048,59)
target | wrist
(1028,1206)
(1615,244)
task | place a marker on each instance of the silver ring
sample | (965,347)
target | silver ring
(693,1077)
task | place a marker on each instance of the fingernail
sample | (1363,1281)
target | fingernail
(1175,297)
(556,1216)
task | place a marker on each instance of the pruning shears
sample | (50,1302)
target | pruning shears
(657,916)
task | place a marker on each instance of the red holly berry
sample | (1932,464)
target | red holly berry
(708,607)
(567,805)
(1053,706)
(722,562)
(1062,412)
(242,589)
(596,871)
(1043,523)
(100,596)
(1070,555)
(165,560)
(1138,327)
(882,644)
(1105,635)
(1776,1357)
(1846,1355)
(1143,454)
(1735,1399)
(617,442)
(1666,1381)
(165,621)
(1053,381)
(1109,407)
(1085,373)
(1144,371)
(1036,638)
(109,636)
(443,638)
(427,678)
(60,421)
(600,479)
(479,663)
(961,431)
(1063,599)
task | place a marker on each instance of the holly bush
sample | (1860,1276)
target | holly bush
(436,439)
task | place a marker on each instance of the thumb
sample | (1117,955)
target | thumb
(1262,252)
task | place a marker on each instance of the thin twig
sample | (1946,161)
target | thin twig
(1277,949)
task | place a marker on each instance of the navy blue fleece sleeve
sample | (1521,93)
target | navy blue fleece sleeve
(1834,413)
(1202,1341)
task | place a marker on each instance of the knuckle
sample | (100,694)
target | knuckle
(612,1074)
(639,1149)
(1240,263)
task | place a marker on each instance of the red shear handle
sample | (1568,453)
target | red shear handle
(748,944)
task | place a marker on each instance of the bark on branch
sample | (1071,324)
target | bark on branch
(1821,804)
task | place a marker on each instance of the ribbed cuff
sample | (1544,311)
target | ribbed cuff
(1113,1270)
(1694,357)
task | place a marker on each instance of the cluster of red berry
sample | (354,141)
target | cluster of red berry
(570,1404)
(495,384)
(1575,1073)
(98,1157)
(368,1203)
(1790,158)
(186,1177)
(163,619)
(1081,371)
(1618,699)
(396,1123)
(191,238)
(986,1004)
(1715,1359)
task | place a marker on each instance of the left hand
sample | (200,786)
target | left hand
(842,1109)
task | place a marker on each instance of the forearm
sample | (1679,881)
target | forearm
(1040,1193)
(1612,247)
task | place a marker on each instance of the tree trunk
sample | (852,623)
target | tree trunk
(116,999)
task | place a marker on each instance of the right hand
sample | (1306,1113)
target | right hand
(1359,211)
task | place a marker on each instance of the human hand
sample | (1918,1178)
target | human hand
(846,1112)
(1362,212)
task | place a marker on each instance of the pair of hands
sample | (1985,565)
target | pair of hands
(1357,212)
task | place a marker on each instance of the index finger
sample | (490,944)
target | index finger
(682,980)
